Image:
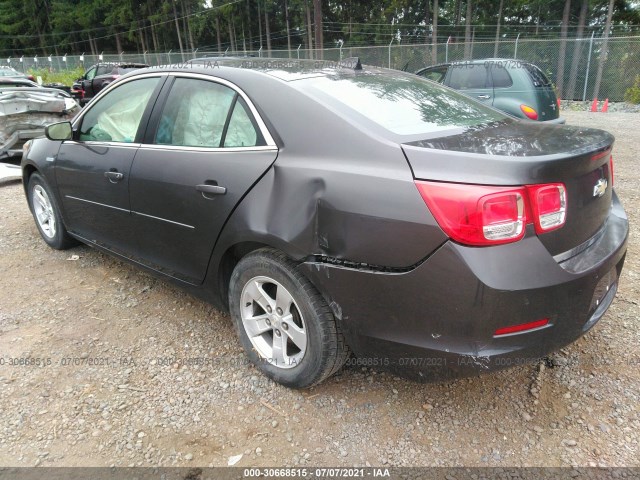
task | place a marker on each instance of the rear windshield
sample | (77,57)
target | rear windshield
(537,76)
(404,105)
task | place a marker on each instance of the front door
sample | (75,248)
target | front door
(92,171)
(202,153)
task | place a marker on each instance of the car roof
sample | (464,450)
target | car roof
(287,70)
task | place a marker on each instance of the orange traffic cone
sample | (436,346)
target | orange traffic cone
(605,107)
(594,105)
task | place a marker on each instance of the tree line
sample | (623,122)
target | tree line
(61,27)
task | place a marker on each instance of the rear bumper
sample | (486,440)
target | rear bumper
(437,321)
(556,121)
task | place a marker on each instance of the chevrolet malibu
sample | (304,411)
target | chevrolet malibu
(342,213)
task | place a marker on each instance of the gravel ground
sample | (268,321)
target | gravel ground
(112,387)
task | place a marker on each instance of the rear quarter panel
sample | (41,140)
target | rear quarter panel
(336,190)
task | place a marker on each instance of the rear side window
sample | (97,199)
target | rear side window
(538,78)
(501,77)
(468,76)
(200,113)
(402,104)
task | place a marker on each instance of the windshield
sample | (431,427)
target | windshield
(402,104)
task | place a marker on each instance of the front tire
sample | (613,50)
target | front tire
(285,326)
(47,215)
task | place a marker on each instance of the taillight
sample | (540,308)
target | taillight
(529,112)
(482,215)
(611,169)
(477,214)
(548,205)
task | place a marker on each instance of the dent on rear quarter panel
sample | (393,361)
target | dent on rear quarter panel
(336,190)
(339,216)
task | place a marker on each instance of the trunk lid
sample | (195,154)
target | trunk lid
(526,153)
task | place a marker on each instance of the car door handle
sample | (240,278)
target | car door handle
(207,189)
(114,176)
(484,97)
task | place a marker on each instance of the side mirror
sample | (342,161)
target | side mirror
(59,131)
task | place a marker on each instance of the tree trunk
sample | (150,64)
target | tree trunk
(187,17)
(267,29)
(234,36)
(142,40)
(218,34)
(495,48)
(563,47)
(317,20)
(427,22)
(457,10)
(260,24)
(229,26)
(244,40)
(154,38)
(248,29)
(175,17)
(538,19)
(434,51)
(91,46)
(577,51)
(604,52)
(286,16)
(467,30)
(309,30)
(118,44)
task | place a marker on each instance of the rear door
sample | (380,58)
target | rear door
(204,149)
(472,79)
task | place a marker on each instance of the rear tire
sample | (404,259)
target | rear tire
(285,326)
(47,215)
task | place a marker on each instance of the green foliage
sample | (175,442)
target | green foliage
(632,95)
(56,27)
(66,77)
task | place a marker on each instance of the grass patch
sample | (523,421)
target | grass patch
(66,77)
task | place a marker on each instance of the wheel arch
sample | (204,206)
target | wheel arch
(228,261)
(27,171)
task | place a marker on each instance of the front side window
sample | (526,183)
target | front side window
(116,116)
(200,113)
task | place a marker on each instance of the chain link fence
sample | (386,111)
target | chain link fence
(619,59)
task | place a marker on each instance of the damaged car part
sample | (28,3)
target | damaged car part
(334,207)
(25,112)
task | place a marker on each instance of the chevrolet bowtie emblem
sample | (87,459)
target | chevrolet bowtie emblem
(600,188)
